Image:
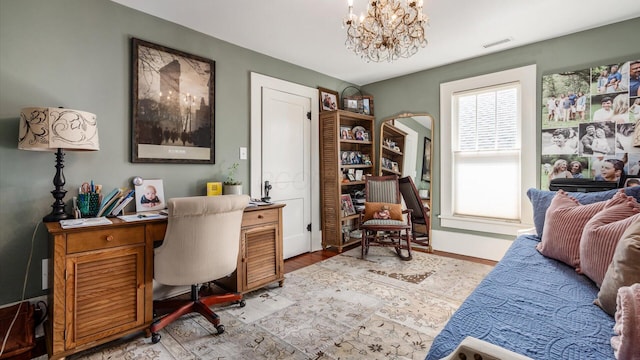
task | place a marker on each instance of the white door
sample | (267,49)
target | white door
(286,163)
(282,139)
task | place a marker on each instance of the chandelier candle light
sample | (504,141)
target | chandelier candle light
(389,31)
(55,129)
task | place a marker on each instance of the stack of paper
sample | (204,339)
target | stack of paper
(75,223)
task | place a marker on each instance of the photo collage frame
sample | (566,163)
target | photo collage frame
(591,123)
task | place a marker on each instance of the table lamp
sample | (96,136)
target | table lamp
(57,129)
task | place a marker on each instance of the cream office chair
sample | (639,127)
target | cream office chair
(201,244)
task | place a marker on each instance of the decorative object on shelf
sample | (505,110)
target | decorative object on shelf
(346,133)
(367,104)
(347,205)
(388,31)
(328,99)
(359,133)
(57,129)
(175,124)
(231,185)
(352,99)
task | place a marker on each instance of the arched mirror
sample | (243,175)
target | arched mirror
(405,149)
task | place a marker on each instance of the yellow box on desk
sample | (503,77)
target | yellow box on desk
(214,188)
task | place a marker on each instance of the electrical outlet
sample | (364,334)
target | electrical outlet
(45,274)
(243,153)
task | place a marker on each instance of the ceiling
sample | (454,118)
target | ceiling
(309,33)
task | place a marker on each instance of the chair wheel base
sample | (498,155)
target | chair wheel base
(220,329)
(242,303)
(155,338)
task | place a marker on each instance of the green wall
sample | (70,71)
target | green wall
(76,54)
(420,92)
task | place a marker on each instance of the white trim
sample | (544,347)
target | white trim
(470,245)
(526,77)
(258,81)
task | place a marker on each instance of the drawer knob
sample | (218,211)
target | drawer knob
(109,237)
(260,216)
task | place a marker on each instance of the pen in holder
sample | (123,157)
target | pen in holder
(89,204)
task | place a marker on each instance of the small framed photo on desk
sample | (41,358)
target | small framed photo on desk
(150,196)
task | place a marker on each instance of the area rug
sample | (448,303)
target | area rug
(340,308)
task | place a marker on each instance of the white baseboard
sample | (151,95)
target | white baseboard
(470,245)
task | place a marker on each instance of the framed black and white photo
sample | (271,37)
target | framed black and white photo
(173,106)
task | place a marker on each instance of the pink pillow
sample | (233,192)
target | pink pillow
(626,342)
(564,220)
(601,235)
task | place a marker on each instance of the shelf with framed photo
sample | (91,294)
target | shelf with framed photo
(344,162)
(392,143)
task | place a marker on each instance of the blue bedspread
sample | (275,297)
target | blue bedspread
(534,306)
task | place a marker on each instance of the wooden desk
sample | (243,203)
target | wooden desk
(101,277)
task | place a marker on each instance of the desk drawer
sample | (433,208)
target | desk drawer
(257,217)
(101,239)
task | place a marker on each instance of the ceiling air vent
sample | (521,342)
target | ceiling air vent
(505,40)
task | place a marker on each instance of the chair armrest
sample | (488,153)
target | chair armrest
(471,346)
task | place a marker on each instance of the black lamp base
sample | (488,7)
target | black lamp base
(56,217)
(57,212)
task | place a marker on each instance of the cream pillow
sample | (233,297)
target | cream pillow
(624,269)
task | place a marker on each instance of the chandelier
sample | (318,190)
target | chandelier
(389,31)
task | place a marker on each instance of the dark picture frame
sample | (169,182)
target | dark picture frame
(329,99)
(367,104)
(347,205)
(173,114)
(426,160)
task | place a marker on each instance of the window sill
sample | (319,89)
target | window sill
(483,225)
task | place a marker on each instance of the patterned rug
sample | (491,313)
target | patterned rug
(341,308)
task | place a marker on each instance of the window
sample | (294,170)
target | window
(488,151)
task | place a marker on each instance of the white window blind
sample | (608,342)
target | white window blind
(486,152)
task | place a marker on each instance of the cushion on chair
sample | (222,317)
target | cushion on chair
(371,208)
(624,269)
(202,239)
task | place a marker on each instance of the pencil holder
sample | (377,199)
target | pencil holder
(89,204)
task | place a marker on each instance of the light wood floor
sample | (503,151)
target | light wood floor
(307,259)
